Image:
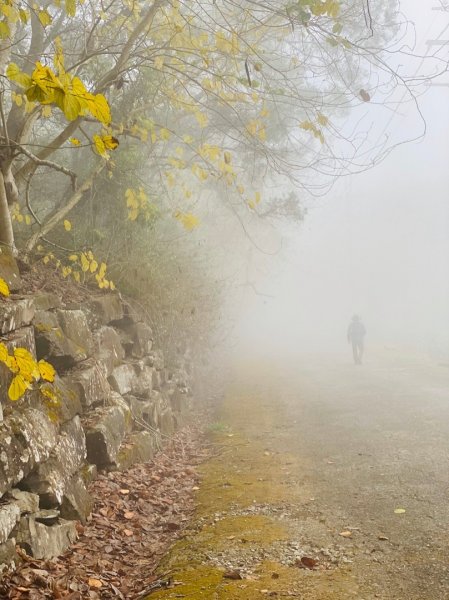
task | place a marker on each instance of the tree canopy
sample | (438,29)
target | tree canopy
(214,93)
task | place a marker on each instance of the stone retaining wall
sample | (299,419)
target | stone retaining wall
(117,402)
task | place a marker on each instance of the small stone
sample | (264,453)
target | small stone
(26,501)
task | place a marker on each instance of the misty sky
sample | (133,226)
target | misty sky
(377,244)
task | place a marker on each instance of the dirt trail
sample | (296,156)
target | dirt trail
(306,452)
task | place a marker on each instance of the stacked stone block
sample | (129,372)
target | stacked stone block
(118,402)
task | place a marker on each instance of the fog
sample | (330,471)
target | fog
(377,245)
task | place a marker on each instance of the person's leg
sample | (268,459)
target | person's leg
(361,349)
(355,352)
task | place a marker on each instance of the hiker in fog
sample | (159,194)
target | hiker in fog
(356,336)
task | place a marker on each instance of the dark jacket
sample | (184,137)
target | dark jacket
(356,331)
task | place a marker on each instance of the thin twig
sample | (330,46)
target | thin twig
(48,163)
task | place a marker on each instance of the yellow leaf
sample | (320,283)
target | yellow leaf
(18,387)
(202,119)
(44,17)
(75,141)
(112,285)
(4,288)
(100,147)
(46,111)
(102,271)
(23,15)
(67,225)
(164,134)
(323,120)
(84,262)
(159,62)
(46,371)
(110,142)
(71,106)
(76,276)
(17,99)
(188,220)
(15,74)
(93,266)
(70,7)
(99,108)
(4,354)
(73,257)
(26,363)
(58,59)
(399,511)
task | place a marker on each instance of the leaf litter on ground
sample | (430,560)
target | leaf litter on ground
(137,516)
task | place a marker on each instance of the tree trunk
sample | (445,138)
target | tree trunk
(64,210)
(6,230)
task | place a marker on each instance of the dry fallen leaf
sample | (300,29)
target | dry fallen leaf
(399,511)
(233,575)
(365,96)
(129,515)
(95,583)
(345,534)
(306,562)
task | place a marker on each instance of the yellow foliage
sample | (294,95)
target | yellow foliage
(188,220)
(18,387)
(159,62)
(164,134)
(322,120)
(46,371)
(209,152)
(17,99)
(4,289)
(26,370)
(199,172)
(202,119)
(26,364)
(138,203)
(82,267)
(309,126)
(68,93)
(67,225)
(84,262)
